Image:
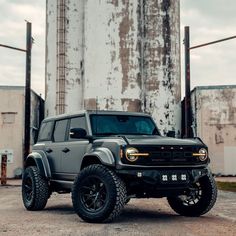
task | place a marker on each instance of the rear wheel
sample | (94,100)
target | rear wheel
(98,194)
(35,189)
(200,199)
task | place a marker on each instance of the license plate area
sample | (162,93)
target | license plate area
(174,177)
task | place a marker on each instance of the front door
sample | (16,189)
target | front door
(76,148)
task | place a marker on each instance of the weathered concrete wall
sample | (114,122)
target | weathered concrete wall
(51,58)
(161,69)
(119,55)
(214,112)
(111,55)
(74,56)
(12,123)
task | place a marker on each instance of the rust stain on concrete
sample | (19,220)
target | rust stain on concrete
(125,52)
(91,104)
(131,104)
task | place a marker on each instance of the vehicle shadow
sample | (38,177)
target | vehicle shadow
(136,215)
(60,209)
(130,214)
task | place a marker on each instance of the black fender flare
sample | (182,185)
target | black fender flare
(41,161)
(104,155)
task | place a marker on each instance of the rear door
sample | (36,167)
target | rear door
(55,149)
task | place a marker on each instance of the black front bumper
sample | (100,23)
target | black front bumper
(167,177)
(155,183)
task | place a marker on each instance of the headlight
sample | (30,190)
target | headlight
(132,154)
(202,154)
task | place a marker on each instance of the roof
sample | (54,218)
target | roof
(214,87)
(9,87)
(96,112)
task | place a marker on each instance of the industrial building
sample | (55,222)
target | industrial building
(12,125)
(125,55)
(214,120)
(114,55)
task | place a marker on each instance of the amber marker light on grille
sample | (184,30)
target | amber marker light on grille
(121,153)
(140,154)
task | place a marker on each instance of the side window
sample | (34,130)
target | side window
(45,132)
(60,131)
(78,122)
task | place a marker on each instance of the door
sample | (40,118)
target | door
(56,147)
(71,160)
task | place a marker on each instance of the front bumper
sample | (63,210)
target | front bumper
(161,177)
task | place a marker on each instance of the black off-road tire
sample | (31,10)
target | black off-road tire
(35,189)
(98,186)
(203,205)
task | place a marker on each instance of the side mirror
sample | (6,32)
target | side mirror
(171,134)
(78,133)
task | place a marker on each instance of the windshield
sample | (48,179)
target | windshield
(122,124)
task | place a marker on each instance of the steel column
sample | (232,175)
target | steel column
(27,90)
(187,100)
(4,169)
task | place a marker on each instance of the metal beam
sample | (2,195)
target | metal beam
(10,47)
(213,42)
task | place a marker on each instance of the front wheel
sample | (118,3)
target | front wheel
(198,201)
(35,189)
(98,194)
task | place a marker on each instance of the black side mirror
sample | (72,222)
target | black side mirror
(171,134)
(78,133)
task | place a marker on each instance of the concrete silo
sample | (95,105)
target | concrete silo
(114,55)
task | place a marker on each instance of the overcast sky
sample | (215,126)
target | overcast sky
(208,20)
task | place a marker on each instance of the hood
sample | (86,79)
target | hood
(160,140)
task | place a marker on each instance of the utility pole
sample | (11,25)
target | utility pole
(27,86)
(187,100)
(27,90)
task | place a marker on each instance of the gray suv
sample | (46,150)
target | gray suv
(104,158)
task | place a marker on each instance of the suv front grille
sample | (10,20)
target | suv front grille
(167,155)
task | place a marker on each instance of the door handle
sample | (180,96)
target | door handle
(65,150)
(48,150)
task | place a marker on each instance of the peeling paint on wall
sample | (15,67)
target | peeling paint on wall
(120,55)
(214,121)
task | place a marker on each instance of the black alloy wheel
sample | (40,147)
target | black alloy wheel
(35,189)
(200,198)
(98,194)
(93,194)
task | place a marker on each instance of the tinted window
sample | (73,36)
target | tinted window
(122,124)
(45,132)
(60,131)
(78,122)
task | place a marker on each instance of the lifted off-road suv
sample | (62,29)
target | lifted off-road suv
(105,158)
